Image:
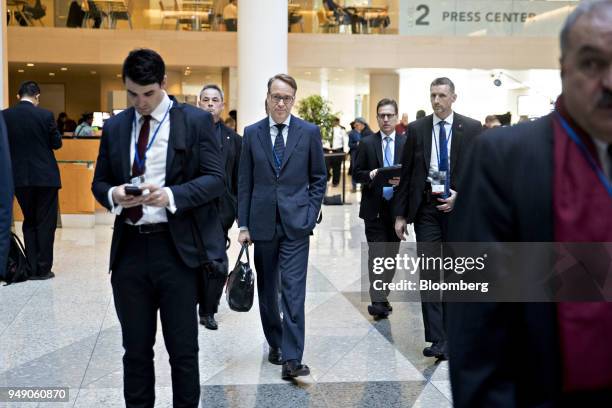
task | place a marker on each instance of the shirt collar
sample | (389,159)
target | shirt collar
(448,120)
(159,112)
(271,121)
(392,135)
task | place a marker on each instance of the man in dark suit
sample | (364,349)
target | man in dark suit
(33,136)
(212,101)
(544,181)
(6,197)
(159,170)
(383,149)
(280,189)
(431,170)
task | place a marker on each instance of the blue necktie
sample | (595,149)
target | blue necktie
(279,147)
(387,161)
(443,164)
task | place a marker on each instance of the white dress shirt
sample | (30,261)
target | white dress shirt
(435,143)
(339,139)
(155,166)
(274,129)
(391,157)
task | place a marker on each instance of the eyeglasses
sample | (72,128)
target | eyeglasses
(286,99)
(386,116)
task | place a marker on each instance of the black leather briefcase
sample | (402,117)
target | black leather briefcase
(241,284)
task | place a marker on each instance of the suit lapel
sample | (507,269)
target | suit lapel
(266,142)
(399,148)
(125,143)
(293,137)
(427,132)
(177,143)
(457,138)
(378,148)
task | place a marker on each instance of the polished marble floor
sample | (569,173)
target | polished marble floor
(64,332)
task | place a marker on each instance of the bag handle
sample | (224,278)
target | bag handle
(245,246)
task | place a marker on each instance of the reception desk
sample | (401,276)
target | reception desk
(76,160)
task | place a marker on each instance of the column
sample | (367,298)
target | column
(381,86)
(262,53)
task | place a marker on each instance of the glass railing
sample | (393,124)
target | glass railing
(405,17)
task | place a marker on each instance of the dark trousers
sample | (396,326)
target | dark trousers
(39,207)
(149,276)
(334,164)
(289,258)
(381,230)
(353,154)
(431,225)
(210,292)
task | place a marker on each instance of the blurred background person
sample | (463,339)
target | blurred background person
(401,127)
(33,135)
(212,100)
(491,121)
(230,15)
(84,128)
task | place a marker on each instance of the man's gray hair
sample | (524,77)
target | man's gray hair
(215,87)
(585,7)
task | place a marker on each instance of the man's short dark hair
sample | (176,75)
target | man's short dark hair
(585,7)
(144,67)
(28,88)
(385,102)
(284,78)
(420,114)
(215,87)
(443,81)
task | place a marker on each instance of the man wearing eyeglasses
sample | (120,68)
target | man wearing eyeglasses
(281,184)
(431,168)
(383,149)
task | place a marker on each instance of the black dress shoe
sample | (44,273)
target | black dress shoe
(378,310)
(274,356)
(292,369)
(208,321)
(388,306)
(436,350)
(42,277)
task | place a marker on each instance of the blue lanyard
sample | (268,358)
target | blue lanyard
(141,162)
(587,155)
(448,138)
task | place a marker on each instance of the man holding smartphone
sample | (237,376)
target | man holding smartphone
(159,170)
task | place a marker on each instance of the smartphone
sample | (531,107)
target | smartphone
(133,190)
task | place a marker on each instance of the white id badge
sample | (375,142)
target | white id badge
(437,188)
(438,184)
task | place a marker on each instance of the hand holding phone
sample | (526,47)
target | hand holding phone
(133,190)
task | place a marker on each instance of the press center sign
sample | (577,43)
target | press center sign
(483,17)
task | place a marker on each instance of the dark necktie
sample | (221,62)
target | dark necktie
(443,164)
(387,161)
(135,213)
(279,146)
